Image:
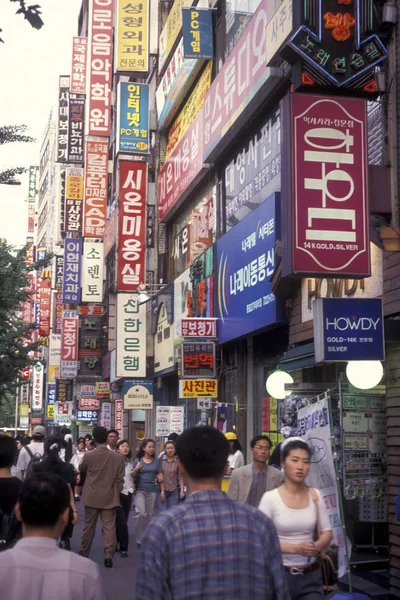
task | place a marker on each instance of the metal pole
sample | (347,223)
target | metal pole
(17,391)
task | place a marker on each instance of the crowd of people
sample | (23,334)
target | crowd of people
(260,540)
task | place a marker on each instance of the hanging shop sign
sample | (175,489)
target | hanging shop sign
(79,60)
(37,386)
(171,31)
(198,360)
(253,173)
(92,310)
(58,272)
(348,329)
(69,344)
(198,388)
(96,187)
(62,131)
(245,263)
(119,415)
(105,415)
(73,199)
(32,184)
(31,217)
(182,167)
(87,416)
(72,270)
(90,346)
(102,389)
(133,118)
(169,419)
(132,225)
(198,328)
(87,391)
(57,311)
(197,33)
(51,393)
(100,67)
(44,306)
(76,130)
(131,336)
(62,412)
(163,341)
(132,36)
(325,186)
(279,28)
(61,185)
(138,394)
(92,271)
(64,390)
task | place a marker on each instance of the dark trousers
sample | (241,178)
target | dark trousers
(69,528)
(305,587)
(122,521)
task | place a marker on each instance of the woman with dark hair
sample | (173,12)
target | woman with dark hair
(146,472)
(296,510)
(173,489)
(235,458)
(75,462)
(52,463)
(9,485)
(125,498)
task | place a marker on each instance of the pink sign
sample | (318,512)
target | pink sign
(329,203)
(78,73)
(184,164)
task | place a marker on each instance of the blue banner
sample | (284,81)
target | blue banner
(245,263)
(133,118)
(197,33)
(348,329)
(71,290)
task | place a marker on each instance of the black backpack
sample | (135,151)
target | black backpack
(35,459)
(10,530)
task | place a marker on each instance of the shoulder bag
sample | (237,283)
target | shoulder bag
(328,560)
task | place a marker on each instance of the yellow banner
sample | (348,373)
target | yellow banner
(50,411)
(133,36)
(189,111)
(24,410)
(198,388)
(74,187)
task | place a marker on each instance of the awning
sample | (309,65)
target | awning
(300,357)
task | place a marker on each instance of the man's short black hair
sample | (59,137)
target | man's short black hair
(100,434)
(8,451)
(113,431)
(43,498)
(259,438)
(203,452)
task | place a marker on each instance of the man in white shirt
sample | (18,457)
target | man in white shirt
(36,568)
(36,447)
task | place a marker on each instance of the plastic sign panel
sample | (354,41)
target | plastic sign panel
(96,187)
(32,184)
(37,386)
(197,33)
(138,394)
(92,271)
(133,135)
(131,336)
(198,388)
(73,199)
(169,419)
(348,329)
(69,344)
(132,36)
(72,271)
(79,59)
(119,416)
(171,31)
(325,186)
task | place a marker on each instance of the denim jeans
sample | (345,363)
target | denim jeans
(144,502)
(171,500)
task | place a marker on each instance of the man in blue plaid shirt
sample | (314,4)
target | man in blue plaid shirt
(209,547)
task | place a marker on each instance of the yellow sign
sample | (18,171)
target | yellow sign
(24,410)
(102,388)
(198,388)
(171,30)
(133,36)
(189,111)
(53,373)
(74,185)
(50,411)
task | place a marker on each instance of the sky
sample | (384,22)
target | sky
(30,63)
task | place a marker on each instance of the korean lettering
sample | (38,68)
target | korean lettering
(62,137)
(78,74)
(96,185)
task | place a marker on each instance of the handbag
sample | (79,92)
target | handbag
(327,560)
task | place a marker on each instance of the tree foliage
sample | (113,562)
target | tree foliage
(31,13)
(7,411)
(10,134)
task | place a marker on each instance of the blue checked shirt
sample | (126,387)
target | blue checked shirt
(211,548)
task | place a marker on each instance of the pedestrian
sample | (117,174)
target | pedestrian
(67,449)
(125,499)
(35,568)
(173,437)
(209,546)
(248,484)
(112,440)
(33,452)
(295,516)
(9,490)
(52,463)
(173,486)
(235,458)
(75,462)
(146,474)
(105,472)
(88,438)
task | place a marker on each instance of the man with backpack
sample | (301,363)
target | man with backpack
(33,453)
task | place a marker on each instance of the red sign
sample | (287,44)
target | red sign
(199,328)
(63,408)
(198,360)
(100,65)
(96,185)
(132,225)
(92,403)
(44,288)
(31,217)
(265,414)
(58,310)
(180,170)
(69,344)
(329,191)
(119,416)
(78,74)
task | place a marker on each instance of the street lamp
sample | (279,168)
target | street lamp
(275,384)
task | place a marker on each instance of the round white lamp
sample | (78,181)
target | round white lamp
(276,384)
(364,374)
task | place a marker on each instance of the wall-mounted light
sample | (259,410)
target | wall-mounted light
(275,384)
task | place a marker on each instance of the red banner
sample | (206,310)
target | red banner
(44,306)
(96,185)
(78,73)
(100,65)
(69,344)
(132,225)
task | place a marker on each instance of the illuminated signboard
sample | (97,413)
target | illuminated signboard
(198,360)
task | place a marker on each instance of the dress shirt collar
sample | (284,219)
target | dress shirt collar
(36,541)
(257,470)
(206,496)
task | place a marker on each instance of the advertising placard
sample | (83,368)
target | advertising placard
(92,271)
(58,272)
(132,37)
(79,59)
(198,328)
(64,389)
(325,186)
(133,135)
(32,183)
(37,386)
(105,415)
(73,199)
(102,389)
(138,394)
(131,336)
(62,132)
(197,33)
(76,130)
(132,225)
(245,263)
(171,31)
(72,270)
(96,186)
(198,388)
(348,329)
(169,419)
(69,344)
(44,288)
(198,360)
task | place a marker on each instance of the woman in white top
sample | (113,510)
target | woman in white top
(235,458)
(294,513)
(125,500)
(76,461)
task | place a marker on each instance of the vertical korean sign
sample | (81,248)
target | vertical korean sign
(197,33)
(69,344)
(133,118)
(76,126)
(131,336)
(78,73)
(100,67)
(73,199)
(32,183)
(92,271)
(44,306)
(96,185)
(132,225)
(37,394)
(62,134)
(325,187)
(133,26)
(72,270)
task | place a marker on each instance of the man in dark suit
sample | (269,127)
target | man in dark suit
(105,472)
(248,484)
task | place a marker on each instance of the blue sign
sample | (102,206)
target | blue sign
(133,118)
(245,263)
(51,393)
(348,329)
(71,290)
(197,33)
(88,416)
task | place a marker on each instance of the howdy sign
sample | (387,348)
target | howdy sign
(327,203)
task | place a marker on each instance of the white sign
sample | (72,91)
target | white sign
(279,29)
(105,415)
(204,403)
(55,349)
(169,419)
(119,415)
(131,336)
(92,271)
(355,422)
(37,394)
(162,421)
(163,342)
